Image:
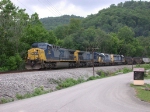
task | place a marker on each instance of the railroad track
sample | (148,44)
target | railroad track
(18,71)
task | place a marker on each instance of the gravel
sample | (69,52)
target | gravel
(23,83)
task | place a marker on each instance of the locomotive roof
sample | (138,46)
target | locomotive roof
(37,43)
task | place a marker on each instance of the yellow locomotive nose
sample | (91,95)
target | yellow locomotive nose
(34,59)
(33,54)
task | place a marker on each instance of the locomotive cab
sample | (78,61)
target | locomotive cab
(36,56)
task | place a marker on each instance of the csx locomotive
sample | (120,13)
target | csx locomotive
(47,56)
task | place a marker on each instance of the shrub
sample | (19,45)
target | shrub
(38,91)
(2,69)
(19,96)
(94,77)
(3,101)
(69,82)
(126,70)
(146,66)
(101,73)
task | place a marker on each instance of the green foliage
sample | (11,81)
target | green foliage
(126,70)
(18,32)
(129,13)
(39,91)
(74,25)
(19,96)
(3,101)
(36,92)
(93,78)
(148,75)
(51,23)
(14,62)
(145,66)
(69,82)
(112,30)
(101,73)
(142,92)
(68,42)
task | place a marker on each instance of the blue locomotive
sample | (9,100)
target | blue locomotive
(45,55)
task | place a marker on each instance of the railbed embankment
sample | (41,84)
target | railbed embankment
(22,83)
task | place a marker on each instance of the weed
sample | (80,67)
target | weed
(126,70)
(146,66)
(3,100)
(147,75)
(38,91)
(19,96)
(101,73)
(69,82)
(94,78)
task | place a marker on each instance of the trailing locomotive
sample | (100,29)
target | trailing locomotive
(47,56)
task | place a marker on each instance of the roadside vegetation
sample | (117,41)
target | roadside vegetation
(145,66)
(36,92)
(100,74)
(142,92)
(147,70)
(147,76)
(61,84)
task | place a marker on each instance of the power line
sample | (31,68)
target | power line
(25,6)
(51,9)
(48,8)
(54,8)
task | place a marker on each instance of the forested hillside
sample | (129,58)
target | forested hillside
(135,15)
(52,22)
(122,29)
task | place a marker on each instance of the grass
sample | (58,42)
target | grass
(142,93)
(147,75)
(4,100)
(36,92)
(124,70)
(145,66)
(69,82)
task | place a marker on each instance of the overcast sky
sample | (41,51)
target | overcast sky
(54,8)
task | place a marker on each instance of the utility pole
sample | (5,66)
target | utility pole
(132,63)
(92,50)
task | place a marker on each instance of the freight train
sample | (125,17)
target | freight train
(48,56)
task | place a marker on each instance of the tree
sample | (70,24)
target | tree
(74,25)
(126,34)
(12,23)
